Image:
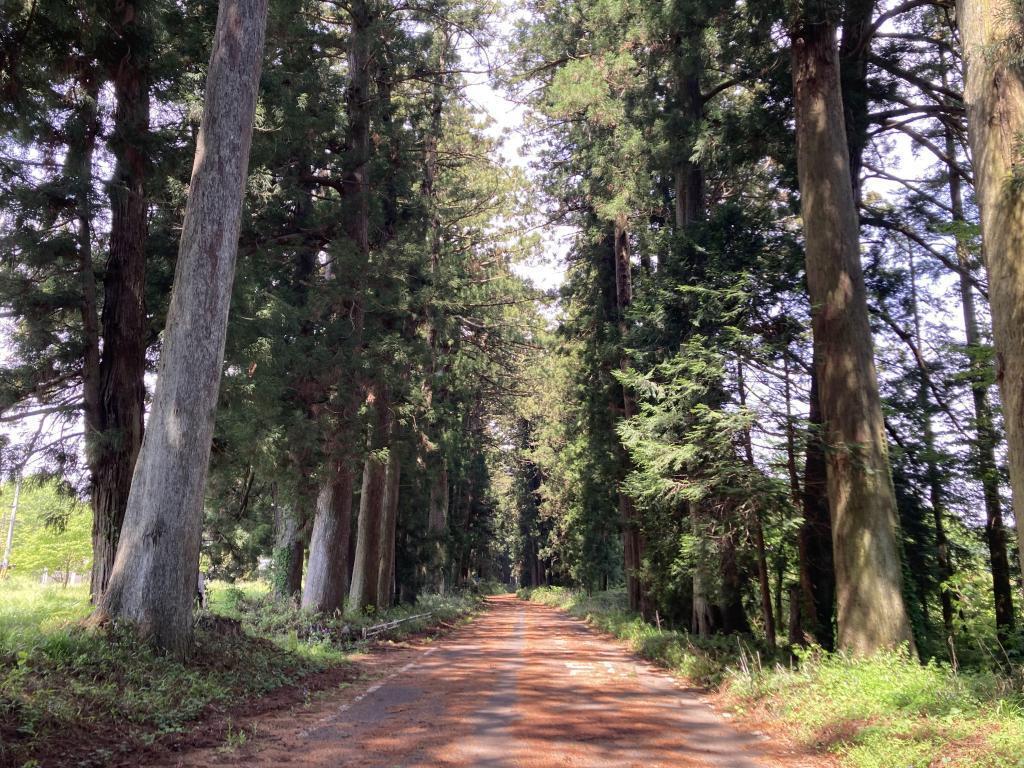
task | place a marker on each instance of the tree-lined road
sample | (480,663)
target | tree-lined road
(522,686)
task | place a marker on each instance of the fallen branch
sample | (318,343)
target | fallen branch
(379,628)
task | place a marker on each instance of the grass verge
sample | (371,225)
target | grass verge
(885,712)
(69,696)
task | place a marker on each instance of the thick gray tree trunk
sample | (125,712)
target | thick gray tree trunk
(327,571)
(872,614)
(153,581)
(994,97)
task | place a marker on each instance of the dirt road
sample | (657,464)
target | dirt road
(522,686)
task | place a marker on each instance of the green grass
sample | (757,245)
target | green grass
(890,710)
(885,712)
(29,611)
(78,697)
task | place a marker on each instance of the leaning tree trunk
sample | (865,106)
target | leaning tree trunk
(327,570)
(122,389)
(994,97)
(154,576)
(872,614)
(388,523)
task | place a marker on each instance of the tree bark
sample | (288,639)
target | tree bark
(78,167)
(437,511)
(389,521)
(872,614)
(122,390)
(327,570)
(734,617)
(689,176)
(985,468)
(632,535)
(437,525)
(854,50)
(702,621)
(363,590)
(817,567)
(994,98)
(153,581)
(328,586)
(289,547)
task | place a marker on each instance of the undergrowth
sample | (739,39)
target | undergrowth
(888,711)
(82,697)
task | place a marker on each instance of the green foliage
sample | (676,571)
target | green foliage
(52,530)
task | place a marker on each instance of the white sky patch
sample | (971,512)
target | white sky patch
(507,120)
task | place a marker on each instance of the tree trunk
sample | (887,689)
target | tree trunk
(933,473)
(734,617)
(756,528)
(703,620)
(986,469)
(327,570)
(289,548)
(363,590)
(437,525)
(689,176)
(5,561)
(854,49)
(85,126)
(817,566)
(795,633)
(330,548)
(872,614)
(994,98)
(122,390)
(153,580)
(389,520)
(632,535)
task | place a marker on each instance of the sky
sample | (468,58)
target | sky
(547,270)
